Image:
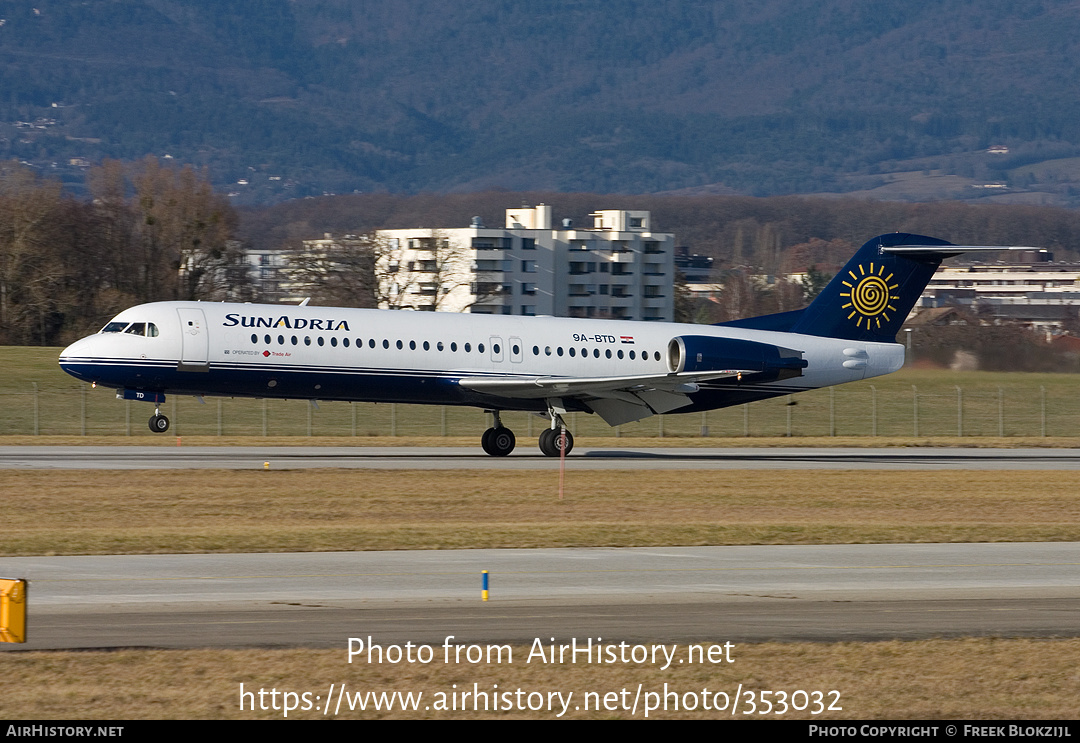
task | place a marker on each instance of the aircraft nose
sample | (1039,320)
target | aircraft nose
(76,359)
(77,350)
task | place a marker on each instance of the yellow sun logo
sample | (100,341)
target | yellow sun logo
(870,296)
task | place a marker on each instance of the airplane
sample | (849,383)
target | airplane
(622,371)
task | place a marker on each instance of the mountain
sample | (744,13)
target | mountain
(281,99)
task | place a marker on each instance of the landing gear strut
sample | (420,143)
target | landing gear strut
(497,440)
(556,440)
(158,422)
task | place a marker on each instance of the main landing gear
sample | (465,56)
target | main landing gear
(556,440)
(158,422)
(553,440)
(499,441)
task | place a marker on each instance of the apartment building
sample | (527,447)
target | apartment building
(1034,290)
(618,268)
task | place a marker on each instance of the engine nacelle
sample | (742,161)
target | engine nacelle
(703,353)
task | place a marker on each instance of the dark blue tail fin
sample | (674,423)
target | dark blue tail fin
(870,299)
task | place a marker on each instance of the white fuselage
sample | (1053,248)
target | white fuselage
(330,353)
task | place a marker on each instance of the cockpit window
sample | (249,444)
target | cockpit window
(135,328)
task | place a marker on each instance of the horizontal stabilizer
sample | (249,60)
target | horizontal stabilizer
(948,251)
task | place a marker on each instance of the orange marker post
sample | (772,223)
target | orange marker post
(13,610)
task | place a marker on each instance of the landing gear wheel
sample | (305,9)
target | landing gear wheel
(552,440)
(498,442)
(545,443)
(159,423)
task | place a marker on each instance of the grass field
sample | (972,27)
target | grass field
(968,679)
(90,512)
(912,404)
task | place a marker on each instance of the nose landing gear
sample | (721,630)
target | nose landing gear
(158,422)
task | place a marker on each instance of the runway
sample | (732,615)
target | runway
(739,594)
(528,458)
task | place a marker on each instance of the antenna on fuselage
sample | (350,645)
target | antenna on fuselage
(306,300)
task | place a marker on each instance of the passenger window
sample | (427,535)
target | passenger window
(307,340)
(321,340)
(281,340)
(480,348)
(345,342)
(573,351)
(254,338)
(385,343)
(439,346)
(559,350)
(333,341)
(412,345)
(453,346)
(267,339)
(468,347)
(294,340)
(427,346)
(399,345)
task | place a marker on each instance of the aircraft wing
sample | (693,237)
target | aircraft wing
(617,400)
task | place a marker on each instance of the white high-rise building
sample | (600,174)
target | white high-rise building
(618,269)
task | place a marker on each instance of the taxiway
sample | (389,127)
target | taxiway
(738,593)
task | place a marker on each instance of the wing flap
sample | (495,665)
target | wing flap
(617,400)
(581,387)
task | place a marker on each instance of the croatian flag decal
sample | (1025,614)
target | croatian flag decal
(627,338)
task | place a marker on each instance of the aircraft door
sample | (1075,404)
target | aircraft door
(195,344)
(496,345)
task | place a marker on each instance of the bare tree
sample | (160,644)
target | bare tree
(184,229)
(29,271)
(433,272)
(339,272)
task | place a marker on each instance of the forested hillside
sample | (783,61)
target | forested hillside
(285,99)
